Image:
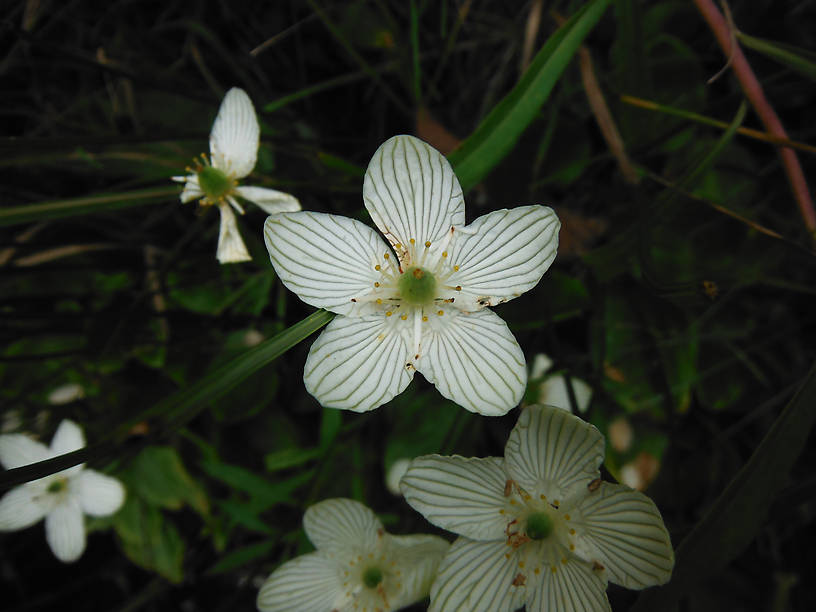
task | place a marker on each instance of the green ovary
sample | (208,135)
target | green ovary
(417,286)
(372,577)
(214,183)
(539,526)
(56,486)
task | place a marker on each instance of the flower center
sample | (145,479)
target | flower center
(214,183)
(539,526)
(417,286)
(56,487)
(372,577)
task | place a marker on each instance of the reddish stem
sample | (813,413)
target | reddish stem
(753,91)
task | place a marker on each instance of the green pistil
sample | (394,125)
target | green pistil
(417,287)
(56,486)
(372,577)
(539,526)
(214,183)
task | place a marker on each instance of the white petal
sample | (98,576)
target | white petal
(327,260)
(474,360)
(553,451)
(341,525)
(18,509)
(461,495)
(310,582)
(553,392)
(235,135)
(17,450)
(573,587)
(192,189)
(395,474)
(418,558)
(477,577)
(357,363)
(623,530)
(541,363)
(410,191)
(67,438)
(270,200)
(231,247)
(502,254)
(65,530)
(99,495)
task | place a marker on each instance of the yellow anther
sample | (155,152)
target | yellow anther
(567,516)
(412,241)
(572,546)
(506,555)
(440,312)
(543,497)
(564,560)
(404,317)
(377,267)
(386,255)
(556,503)
(501,511)
(553,569)
(398,246)
(537,570)
(455,268)
(427,244)
(376,284)
(458,287)
(389,313)
(521,564)
(572,532)
(444,253)
(424,319)
(379,301)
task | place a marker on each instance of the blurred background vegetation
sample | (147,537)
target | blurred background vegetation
(683,291)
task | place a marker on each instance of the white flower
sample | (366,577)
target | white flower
(539,527)
(553,391)
(421,306)
(65,394)
(60,498)
(234,141)
(357,565)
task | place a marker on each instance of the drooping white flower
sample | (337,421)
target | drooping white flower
(60,498)
(357,565)
(538,527)
(553,390)
(420,304)
(234,142)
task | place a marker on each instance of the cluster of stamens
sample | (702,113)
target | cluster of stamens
(215,183)
(536,525)
(368,576)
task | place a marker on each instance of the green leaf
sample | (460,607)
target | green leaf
(498,133)
(290,457)
(149,540)
(158,475)
(262,493)
(82,206)
(734,518)
(241,556)
(330,425)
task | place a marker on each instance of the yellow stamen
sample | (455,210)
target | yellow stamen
(427,244)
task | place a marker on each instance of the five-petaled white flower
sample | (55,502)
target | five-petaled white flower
(421,306)
(61,498)
(539,527)
(234,141)
(357,565)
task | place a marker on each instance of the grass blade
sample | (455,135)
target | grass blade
(500,130)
